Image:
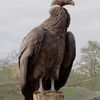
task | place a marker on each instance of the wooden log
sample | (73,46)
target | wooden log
(48,95)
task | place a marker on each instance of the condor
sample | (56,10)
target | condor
(47,53)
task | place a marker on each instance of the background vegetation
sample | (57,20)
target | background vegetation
(83,83)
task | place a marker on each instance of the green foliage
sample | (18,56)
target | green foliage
(5,74)
(9,73)
(95,98)
(75,78)
(90,59)
(10,89)
(76,93)
(83,81)
(10,92)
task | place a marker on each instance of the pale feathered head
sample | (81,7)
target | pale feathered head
(63,2)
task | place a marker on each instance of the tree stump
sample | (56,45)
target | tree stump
(48,95)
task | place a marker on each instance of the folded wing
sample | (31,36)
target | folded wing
(28,53)
(69,56)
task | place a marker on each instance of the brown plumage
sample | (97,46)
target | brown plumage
(47,52)
(63,2)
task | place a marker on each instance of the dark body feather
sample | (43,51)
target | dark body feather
(66,65)
(47,51)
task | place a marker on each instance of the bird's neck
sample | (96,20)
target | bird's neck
(56,23)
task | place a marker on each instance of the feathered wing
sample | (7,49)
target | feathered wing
(29,51)
(69,56)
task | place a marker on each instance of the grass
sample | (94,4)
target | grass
(95,98)
(76,93)
(12,92)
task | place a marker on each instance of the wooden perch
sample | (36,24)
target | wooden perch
(48,95)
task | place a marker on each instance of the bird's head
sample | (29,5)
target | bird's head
(63,2)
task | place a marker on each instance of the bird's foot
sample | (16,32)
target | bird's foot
(52,89)
(52,85)
(40,90)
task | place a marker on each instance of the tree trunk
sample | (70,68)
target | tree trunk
(48,95)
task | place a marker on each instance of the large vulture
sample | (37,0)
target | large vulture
(47,53)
